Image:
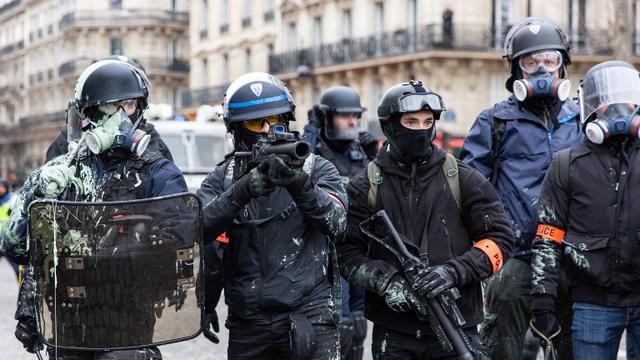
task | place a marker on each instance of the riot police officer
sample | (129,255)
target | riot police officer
(279,214)
(445,212)
(108,161)
(512,143)
(334,132)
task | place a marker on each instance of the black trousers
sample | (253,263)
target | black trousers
(390,345)
(152,353)
(271,341)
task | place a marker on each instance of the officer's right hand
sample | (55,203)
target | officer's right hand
(211,323)
(27,334)
(400,297)
(251,185)
(544,324)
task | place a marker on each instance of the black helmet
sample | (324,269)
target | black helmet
(342,99)
(407,97)
(108,81)
(127,60)
(256,95)
(530,35)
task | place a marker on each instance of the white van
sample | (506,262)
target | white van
(196,147)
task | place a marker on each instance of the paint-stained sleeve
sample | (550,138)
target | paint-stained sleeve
(323,200)
(488,226)
(476,150)
(354,259)
(218,206)
(14,237)
(547,247)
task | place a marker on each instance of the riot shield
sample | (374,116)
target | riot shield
(117,275)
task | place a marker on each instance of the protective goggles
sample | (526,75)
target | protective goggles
(129,106)
(417,102)
(550,60)
(257,124)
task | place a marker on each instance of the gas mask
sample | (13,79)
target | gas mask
(540,66)
(612,120)
(116,130)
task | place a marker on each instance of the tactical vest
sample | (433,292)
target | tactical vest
(357,164)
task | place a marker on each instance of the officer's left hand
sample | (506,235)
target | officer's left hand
(369,143)
(278,173)
(211,322)
(55,178)
(433,280)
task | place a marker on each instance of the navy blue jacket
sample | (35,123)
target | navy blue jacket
(526,149)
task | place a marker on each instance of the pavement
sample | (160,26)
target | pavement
(198,348)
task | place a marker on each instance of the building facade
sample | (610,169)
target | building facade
(373,44)
(228,38)
(45,45)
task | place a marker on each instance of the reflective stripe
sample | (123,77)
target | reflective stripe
(250,103)
(492,250)
(223,238)
(550,233)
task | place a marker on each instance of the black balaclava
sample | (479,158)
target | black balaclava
(409,145)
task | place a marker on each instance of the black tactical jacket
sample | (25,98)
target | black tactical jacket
(595,202)
(422,208)
(277,258)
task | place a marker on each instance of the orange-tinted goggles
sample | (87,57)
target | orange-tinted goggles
(256,125)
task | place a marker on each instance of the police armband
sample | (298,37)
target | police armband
(491,249)
(549,232)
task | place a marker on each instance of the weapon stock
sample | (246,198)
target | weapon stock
(441,309)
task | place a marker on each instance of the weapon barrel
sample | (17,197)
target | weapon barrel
(298,150)
(457,341)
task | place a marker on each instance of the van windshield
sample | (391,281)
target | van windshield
(209,150)
(178,150)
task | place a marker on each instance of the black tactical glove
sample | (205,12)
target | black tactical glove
(27,334)
(433,280)
(545,323)
(251,185)
(278,173)
(369,144)
(400,297)
(211,322)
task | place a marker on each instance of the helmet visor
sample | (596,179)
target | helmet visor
(612,85)
(549,60)
(417,102)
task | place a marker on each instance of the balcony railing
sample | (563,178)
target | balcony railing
(11,48)
(407,41)
(209,95)
(152,65)
(9,5)
(123,16)
(53,117)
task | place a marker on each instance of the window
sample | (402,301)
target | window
(204,20)
(347,30)
(503,18)
(268,11)
(412,16)
(292,39)
(247,60)
(173,50)
(246,19)
(225,69)
(205,72)
(115,4)
(173,6)
(224,19)
(116,46)
(317,31)
(378,19)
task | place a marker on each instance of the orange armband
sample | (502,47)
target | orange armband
(492,250)
(223,238)
(550,233)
